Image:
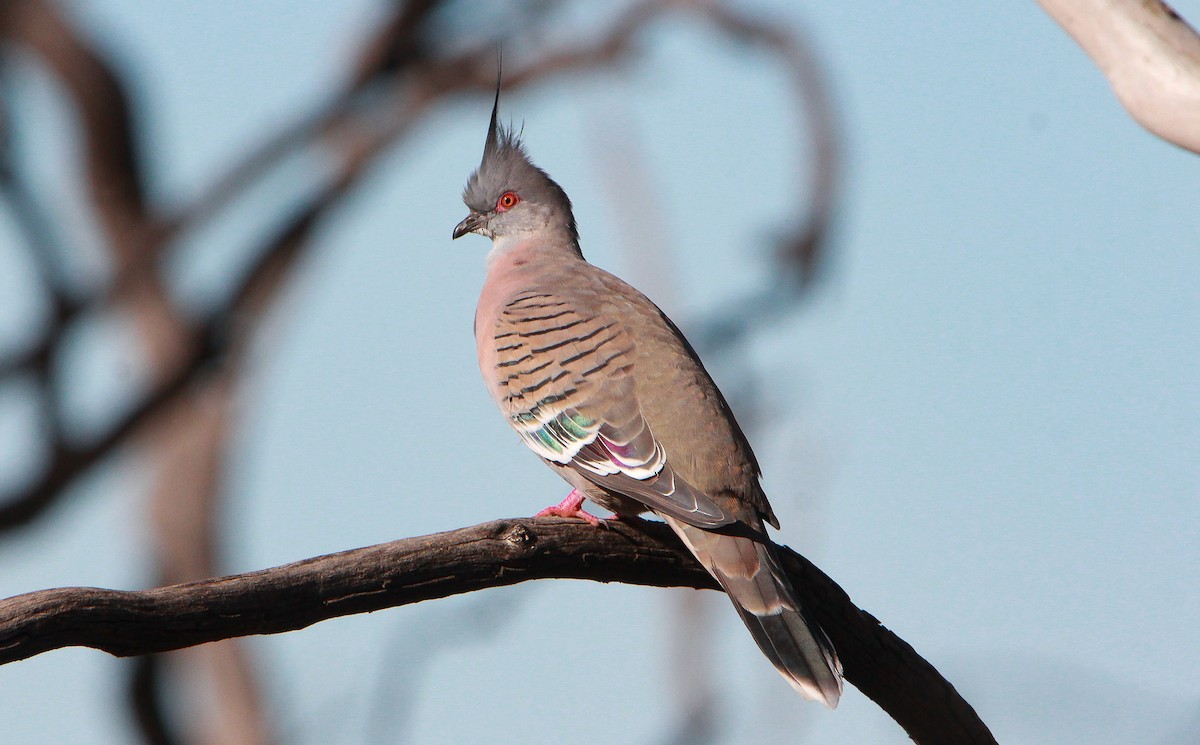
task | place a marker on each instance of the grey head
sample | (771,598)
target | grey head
(509,195)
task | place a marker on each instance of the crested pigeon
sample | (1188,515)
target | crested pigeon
(601,384)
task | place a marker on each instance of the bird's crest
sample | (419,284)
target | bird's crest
(506,167)
(500,139)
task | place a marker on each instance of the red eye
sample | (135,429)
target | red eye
(507,201)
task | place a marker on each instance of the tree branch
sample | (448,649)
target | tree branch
(1150,55)
(494,554)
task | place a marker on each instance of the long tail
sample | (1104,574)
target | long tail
(763,596)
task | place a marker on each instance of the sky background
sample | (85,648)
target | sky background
(984,424)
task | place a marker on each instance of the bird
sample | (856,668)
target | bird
(602,385)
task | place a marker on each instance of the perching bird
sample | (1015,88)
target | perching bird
(603,386)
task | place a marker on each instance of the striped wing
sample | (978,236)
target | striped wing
(567,384)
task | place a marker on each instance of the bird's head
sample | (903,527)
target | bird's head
(509,195)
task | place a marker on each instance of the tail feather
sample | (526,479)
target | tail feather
(763,596)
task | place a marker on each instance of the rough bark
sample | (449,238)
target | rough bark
(494,554)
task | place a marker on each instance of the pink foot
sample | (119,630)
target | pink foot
(572,506)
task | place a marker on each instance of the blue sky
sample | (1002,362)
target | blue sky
(985,424)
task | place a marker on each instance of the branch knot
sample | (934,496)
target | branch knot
(518,536)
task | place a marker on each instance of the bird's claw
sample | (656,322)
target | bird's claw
(572,506)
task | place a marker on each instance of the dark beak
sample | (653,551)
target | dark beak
(469,225)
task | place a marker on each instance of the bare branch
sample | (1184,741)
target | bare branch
(495,554)
(1150,55)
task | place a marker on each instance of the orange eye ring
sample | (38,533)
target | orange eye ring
(507,201)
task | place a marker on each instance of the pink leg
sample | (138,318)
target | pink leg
(572,506)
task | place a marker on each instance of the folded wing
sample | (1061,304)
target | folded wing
(565,380)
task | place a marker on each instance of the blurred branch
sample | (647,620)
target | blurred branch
(112,157)
(799,252)
(494,554)
(1150,55)
(70,461)
(33,223)
(800,248)
(183,449)
(356,129)
(145,701)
